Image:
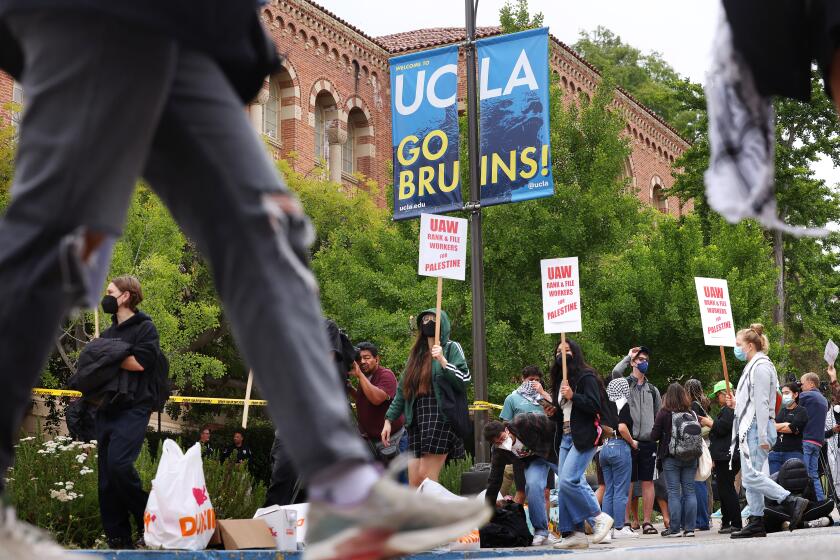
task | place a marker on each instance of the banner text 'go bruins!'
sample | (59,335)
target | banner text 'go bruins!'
(424,117)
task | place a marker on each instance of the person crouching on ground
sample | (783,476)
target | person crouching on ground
(529,438)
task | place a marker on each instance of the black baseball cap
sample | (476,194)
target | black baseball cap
(643,350)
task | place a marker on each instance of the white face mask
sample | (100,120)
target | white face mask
(619,404)
(507,445)
(837,408)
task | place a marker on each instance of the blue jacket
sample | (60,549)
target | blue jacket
(817,408)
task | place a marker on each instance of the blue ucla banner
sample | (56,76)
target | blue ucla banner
(515,148)
(424,128)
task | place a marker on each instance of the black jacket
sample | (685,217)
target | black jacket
(140,334)
(499,459)
(229,31)
(720,436)
(99,376)
(586,405)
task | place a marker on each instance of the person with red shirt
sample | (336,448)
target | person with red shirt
(375,388)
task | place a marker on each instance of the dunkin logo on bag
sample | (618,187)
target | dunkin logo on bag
(197,524)
(200,495)
(149,518)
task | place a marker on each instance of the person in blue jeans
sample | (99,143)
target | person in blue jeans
(579,405)
(529,438)
(813,436)
(790,421)
(617,461)
(679,474)
(700,403)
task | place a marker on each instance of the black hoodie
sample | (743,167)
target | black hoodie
(139,331)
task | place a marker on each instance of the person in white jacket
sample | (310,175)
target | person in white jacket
(755,430)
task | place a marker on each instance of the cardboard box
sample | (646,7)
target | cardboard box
(242,534)
(273,517)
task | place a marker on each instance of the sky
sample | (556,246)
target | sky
(680,30)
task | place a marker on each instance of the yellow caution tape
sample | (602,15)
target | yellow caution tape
(477,405)
(484,405)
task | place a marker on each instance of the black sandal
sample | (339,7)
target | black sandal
(648,529)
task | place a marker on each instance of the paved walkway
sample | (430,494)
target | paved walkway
(804,544)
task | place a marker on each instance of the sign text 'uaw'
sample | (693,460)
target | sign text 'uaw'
(443,247)
(715,311)
(561,295)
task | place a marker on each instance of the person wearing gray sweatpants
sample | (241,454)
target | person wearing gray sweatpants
(114,96)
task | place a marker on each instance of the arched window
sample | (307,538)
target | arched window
(324,112)
(271,113)
(659,200)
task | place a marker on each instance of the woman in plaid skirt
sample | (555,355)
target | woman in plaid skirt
(433,372)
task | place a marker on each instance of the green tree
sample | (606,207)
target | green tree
(647,77)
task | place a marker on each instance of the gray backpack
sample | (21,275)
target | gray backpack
(686,438)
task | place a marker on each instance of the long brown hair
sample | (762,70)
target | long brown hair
(417,378)
(676,399)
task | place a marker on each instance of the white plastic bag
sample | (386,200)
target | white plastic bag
(179,514)
(471,540)
(704,464)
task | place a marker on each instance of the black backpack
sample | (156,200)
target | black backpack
(161,385)
(686,436)
(507,529)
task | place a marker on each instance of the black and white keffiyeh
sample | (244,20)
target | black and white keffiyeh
(741,175)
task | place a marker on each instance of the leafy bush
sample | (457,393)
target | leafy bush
(450,475)
(53,485)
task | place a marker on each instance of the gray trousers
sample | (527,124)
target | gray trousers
(107,103)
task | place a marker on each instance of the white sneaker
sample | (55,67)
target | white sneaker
(545,540)
(393,521)
(608,539)
(575,541)
(625,533)
(603,524)
(22,541)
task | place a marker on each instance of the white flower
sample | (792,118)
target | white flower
(30,438)
(59,484)
(93,441)
(81,457)
(69,485)
(85,470)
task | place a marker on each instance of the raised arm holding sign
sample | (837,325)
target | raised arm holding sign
(716,317)
(561,299)
(443,253)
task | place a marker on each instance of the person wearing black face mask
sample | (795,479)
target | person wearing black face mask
(433,372)
(120,430)
(645,402)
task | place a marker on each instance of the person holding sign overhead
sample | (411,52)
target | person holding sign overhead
(578,413)
(435,379)
(755,431)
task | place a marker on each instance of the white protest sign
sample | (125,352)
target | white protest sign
(831,351)
(561,295)
(443,247)
(715,311)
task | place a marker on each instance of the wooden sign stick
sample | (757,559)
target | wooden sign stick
(725,371)
(563,352)
(437,310)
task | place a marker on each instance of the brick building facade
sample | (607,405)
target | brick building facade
(328,111)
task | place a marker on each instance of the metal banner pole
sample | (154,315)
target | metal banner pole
(479,368)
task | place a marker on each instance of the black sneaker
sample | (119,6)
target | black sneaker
(671,533)
(755,528)
(795,508)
